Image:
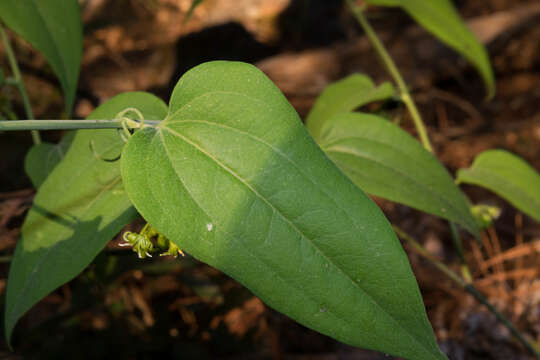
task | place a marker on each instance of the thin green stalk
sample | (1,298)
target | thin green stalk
(17,125)
(482,299)
(468,287)
(465,271)
(407,100)
(18,82)
(394,72)
(432,259)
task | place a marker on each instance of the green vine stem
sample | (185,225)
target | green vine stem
(18,82)
(468,287)
(465,271)
(17,125)
(394,72)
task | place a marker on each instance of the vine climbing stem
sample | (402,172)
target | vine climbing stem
(392,69)
(18,82)
(17,125)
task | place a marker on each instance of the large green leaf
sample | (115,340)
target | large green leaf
(42,158)
(507,175)
(77,210)
(54,28)
(386,161)
(345,95)
(234,178)
(441,19)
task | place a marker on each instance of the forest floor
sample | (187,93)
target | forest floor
(125,308)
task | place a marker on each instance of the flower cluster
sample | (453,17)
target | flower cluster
(150,241)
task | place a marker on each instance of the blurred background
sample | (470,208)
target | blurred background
(125,308)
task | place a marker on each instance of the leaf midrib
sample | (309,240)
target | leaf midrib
(276,150)
(162,139)
(256,193)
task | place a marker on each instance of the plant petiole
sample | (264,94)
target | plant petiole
(17,125)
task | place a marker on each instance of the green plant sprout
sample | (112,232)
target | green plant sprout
(228,173)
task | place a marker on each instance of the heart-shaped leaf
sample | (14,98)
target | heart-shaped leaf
(441,19)
(344,96)
(54,28)
(77,210)
(507,175)
(384,160)
(234,178)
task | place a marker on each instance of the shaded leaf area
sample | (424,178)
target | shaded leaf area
(60,41)
(344,96)
(233,177)
(507,175)
(77,210)
(385,161)
(42,158)
(441,19)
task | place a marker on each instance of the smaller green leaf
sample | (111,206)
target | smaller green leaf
(441,19)
(386,161)
(79,207)
(54,28)
(42,158)
(507,175)
(343,96)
